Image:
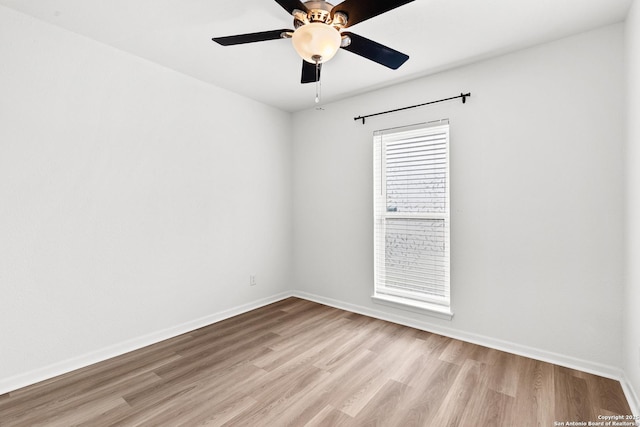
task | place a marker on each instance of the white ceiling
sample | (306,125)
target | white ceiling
(436,34)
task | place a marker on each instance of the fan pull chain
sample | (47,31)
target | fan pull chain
(317,81)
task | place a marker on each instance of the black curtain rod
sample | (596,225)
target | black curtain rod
(462,95)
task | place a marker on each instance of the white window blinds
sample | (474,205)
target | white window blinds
(411,213)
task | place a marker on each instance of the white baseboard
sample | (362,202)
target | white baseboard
(632,397)
(522,350)
(65,366)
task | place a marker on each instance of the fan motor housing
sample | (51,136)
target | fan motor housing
(319,11)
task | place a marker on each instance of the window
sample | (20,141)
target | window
(411,217)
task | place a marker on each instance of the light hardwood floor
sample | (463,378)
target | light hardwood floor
(300,363)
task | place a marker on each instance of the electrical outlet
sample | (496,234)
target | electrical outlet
(252,280)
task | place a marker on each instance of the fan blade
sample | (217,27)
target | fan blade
(309,72)
(250,37)
(358,10)
(291,5)
(375,51)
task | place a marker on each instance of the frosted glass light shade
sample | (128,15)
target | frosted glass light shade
(318,39)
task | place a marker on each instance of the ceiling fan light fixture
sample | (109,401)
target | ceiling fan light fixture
(316,40)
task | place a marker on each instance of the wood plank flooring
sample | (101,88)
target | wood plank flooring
(298,363)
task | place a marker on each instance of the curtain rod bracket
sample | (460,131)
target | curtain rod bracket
(462,95)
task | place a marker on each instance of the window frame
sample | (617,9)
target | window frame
(439,306)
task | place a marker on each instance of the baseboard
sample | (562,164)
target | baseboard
(533,353)
(631,396)
(63,367)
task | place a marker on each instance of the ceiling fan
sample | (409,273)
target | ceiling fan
(318,33)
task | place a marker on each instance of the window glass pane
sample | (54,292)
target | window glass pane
(415,251)
(416,175)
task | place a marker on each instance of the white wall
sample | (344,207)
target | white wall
(631,337)
(133,200)
(536,178)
